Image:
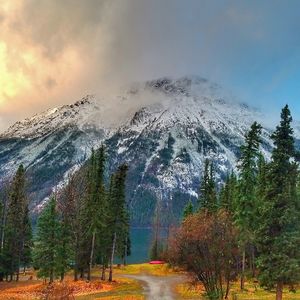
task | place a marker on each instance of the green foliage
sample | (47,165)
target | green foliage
(65,249)
(278,233)
(95,202)
(228,193)
(26,257)
(156,250)
(246,206)
(17,229)
(208,195)
(118,216)
(47,242)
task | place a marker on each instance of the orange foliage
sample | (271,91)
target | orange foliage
(206,246)
(58,290)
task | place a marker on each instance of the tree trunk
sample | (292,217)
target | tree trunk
(112,257)
(76,269)
(91,256)
(227,287)
(253,262)
(3,223)
(51,276)
(18,268)
(243,270)
(75,274)
(125,255)
(279,290)
(62,276)
(103,272)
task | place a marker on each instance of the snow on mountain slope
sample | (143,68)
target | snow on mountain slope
(82,113)
(165,141)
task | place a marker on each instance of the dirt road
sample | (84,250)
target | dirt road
(159,287)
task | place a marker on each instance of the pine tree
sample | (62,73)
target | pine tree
(47,242)
(123,242)
(228,193)
(118,221)
(208,196)
(26,257)
(3,258)
(95,203)
(188,210)
(248,170)
(65,250)
(72,205)
(278,233)
(246,204)
(14,228)
(261,185)
(155,250)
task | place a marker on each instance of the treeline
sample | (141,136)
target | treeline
(84,224)
(251,226)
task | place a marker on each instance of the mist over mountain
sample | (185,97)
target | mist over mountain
(164,131)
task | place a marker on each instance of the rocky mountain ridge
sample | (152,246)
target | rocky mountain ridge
(164,142)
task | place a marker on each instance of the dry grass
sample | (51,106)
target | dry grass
(122,288)
(31,290)
(146,268)
(252,292)
(189,291)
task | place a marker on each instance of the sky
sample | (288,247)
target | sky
(54,52)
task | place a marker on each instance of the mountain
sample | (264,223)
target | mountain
(165,142)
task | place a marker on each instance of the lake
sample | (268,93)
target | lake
(141,239)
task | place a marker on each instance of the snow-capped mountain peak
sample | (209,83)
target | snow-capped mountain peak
(41,124)
(165,130)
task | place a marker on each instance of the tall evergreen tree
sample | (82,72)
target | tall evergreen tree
(228,193)
(118,221)
(47,243)
(95,203)
(65,249)
(14,228)
(261,185)
(246,204)
(278,234)
(207,195)
(26,257)
(4,202)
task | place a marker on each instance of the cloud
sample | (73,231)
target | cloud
(62,50)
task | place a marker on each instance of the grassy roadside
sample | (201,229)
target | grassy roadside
(126,288)
(252,292)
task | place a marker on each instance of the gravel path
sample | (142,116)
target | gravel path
(159,287)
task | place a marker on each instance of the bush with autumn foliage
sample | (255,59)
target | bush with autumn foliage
(206,245)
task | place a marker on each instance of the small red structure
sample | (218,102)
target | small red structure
(156,262)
